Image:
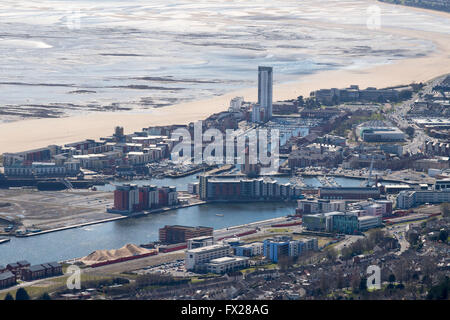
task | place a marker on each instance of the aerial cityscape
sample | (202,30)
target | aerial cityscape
(225,150)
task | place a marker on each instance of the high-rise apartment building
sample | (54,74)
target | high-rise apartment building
(265,90)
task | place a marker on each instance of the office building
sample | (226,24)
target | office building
(196,259)
(411,199)
(350,193)
(226,264)
(379,131)
(179,234)
(333,222)
(368,222)
(199,242)
(309,206)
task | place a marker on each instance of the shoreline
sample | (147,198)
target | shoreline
(28,134)
(122,217)
(135,215)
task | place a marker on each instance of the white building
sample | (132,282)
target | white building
(38,169)
(196,259)
(225,264)
(375,210)
(236,104)
(250,249)
(410,199)
(369,222)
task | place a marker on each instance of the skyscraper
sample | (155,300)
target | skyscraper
(265,89)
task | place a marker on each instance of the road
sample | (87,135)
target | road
(400,118)
(399,232)
(346,242)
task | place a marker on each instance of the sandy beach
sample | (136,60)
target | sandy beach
(29,134)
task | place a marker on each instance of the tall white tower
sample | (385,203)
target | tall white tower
(265,89)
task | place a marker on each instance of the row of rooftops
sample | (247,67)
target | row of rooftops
(25,264)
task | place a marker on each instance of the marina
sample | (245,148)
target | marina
(78,242)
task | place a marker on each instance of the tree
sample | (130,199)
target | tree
(331,254)
(413,237)
(340,281)
(391,278)
(445,209)
(410,131)
(22,294)
(324,283)
(363,284)
(355,281)
(284,262)
(440,291)
(9,296)
(443,236)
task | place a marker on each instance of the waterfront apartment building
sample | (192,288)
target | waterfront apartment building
(216,188)
(265,89)
(126,198)
(196,259)
(179,234)
(43,169)
(131,198)
(27,157)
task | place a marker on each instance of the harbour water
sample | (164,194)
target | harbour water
(181,183)
(74,243)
